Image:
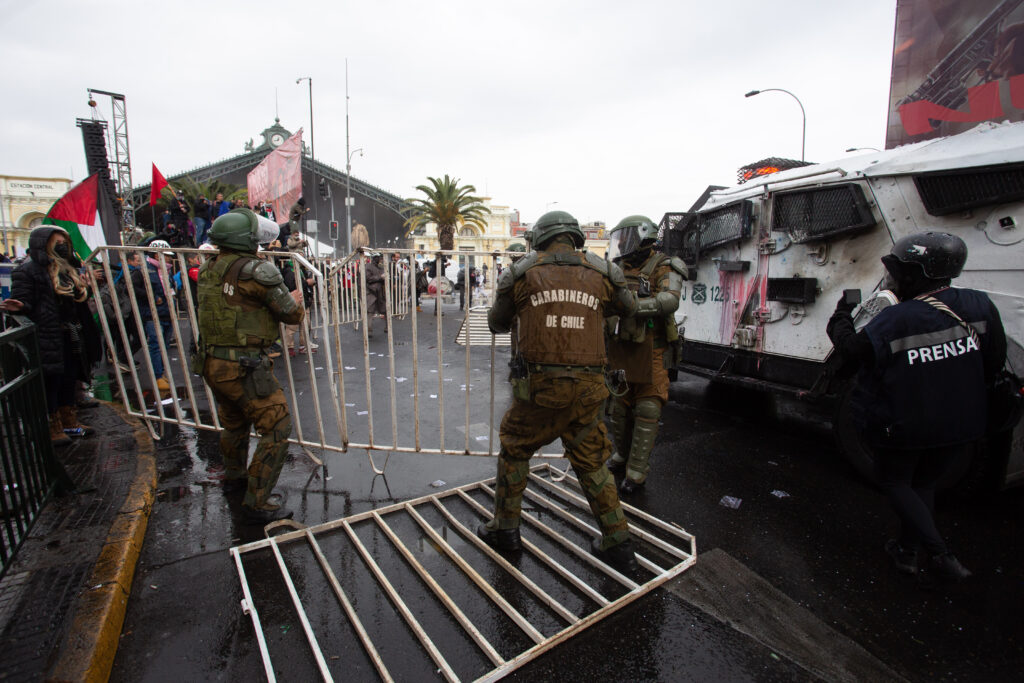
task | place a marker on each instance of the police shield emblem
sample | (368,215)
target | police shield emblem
(700,293)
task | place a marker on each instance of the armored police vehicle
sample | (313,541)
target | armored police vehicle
(770,258)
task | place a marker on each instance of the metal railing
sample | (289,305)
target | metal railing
(29,471)
(391,569)
(337,396)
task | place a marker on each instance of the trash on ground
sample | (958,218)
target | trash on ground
(437,484)
(730,502)
(780,494)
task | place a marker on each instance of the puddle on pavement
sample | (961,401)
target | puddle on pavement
(172,494)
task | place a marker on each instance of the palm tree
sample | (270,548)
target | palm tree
(447,205)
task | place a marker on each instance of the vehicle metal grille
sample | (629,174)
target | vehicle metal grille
(821,213)
(949,192)
(728,224)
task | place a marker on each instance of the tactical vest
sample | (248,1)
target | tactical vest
(664,329)
(226,318)
(560,306)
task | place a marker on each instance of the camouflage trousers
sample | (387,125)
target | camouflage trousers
(633,418)
(565,406)
(239,409)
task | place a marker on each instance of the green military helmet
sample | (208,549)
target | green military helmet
(631,234)
(516,247)
(555,223)
(237,229)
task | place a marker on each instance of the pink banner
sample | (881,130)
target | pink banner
(278,178)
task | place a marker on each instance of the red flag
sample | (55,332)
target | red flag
(159,183)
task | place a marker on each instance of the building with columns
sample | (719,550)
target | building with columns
(24,202)
(503,229)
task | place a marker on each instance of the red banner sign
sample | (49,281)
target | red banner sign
(278,178)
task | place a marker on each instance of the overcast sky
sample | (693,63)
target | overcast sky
(603,109)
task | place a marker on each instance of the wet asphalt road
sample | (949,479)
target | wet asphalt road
(820,545)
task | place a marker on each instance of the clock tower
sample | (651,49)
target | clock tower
(273,137)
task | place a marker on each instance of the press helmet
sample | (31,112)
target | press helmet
(237,229)
(939,255)
(631,234)
(555,223)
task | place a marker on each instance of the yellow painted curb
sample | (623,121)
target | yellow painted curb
(87,653)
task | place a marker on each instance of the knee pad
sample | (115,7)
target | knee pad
(648,410)
(283,429)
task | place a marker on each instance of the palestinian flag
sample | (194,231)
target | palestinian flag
(76,213)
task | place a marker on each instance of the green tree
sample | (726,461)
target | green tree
(448,205)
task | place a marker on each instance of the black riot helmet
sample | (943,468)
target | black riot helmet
(935,255)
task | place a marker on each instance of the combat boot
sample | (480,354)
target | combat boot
(904,559)
(265,513)
(628,486)
(57,435)
(507,540)
(619,556)
(948,567)
(69,419)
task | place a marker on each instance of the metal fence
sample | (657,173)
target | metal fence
(415,573)
(29,471)
(338,397)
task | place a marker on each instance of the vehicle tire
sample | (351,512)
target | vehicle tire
(741,401)
(849,439)
(977,473)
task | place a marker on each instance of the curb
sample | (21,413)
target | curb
(88,650)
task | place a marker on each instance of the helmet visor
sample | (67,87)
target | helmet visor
(624,241)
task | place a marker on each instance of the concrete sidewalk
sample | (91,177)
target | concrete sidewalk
(62,602)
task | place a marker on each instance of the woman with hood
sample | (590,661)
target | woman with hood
(48,289)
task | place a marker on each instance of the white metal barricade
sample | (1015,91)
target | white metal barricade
(570,587)
(433,395)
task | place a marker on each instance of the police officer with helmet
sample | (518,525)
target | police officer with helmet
(920,398)
(559,296)
(643,347)
(242,298)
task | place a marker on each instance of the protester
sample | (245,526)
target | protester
(375,302)
(148,268)
(48,289)
(202,217)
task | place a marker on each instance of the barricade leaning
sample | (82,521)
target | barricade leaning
(413,389)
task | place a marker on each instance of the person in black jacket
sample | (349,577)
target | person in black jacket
(921,395)
(48,288)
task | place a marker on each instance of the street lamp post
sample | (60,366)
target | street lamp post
(348,191)
(803,137)
(312,149)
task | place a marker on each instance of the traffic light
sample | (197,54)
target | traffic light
(325,191)
(333,227)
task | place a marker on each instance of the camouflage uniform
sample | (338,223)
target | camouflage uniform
(241,301)
(640,346)
(559,296)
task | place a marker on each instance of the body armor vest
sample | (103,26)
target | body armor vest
(664,328)
(226,317)
(561,313)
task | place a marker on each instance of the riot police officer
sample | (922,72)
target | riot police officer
(242,298)
(920,398)
(644,346)
(559,296)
